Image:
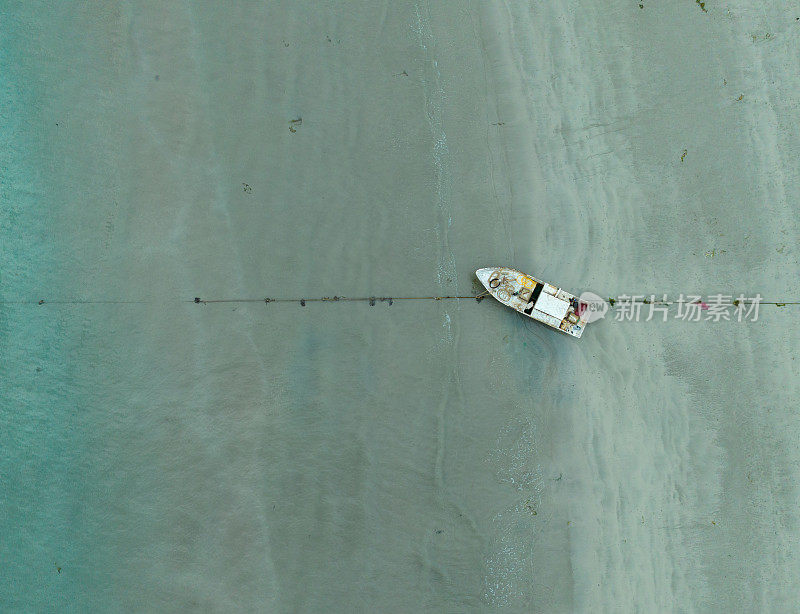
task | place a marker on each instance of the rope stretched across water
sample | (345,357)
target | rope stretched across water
(335,299)
(372,300)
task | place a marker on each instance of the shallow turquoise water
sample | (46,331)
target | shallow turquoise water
(164,455)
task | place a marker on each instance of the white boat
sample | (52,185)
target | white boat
(536,299)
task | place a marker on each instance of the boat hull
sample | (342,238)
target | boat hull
(536,299)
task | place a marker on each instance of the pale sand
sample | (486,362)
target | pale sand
(676,442)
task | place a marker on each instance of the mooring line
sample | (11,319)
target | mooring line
(628,299)
(335,299)
(373,300)
(323,299)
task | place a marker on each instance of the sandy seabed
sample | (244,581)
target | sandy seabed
(159,454)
